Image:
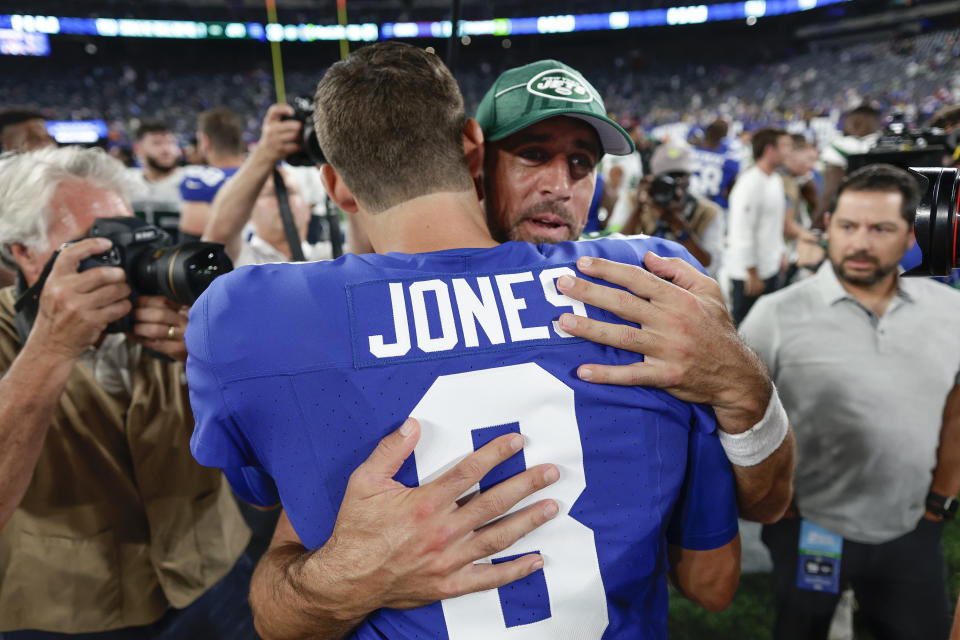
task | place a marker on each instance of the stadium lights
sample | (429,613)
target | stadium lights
(187,29)
(369,32)
(694,14)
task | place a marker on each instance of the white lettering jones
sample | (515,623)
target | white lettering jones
(473,312)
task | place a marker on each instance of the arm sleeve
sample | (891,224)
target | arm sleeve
(705,516)
(200,184)
(730,170)
(217,440)
(834,155)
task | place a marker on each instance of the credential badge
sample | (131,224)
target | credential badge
(559,84)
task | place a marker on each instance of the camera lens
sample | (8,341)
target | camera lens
(936,221)
(663,190)
(181,272)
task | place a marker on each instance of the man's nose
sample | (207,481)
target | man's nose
(555,178)
(861,239)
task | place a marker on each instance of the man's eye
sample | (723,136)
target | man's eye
(532,154)
(581,166)
(582,161)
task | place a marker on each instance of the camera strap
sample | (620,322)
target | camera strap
(286,216)
(28,300)
(333,224)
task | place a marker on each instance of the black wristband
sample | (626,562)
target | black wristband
(940,505)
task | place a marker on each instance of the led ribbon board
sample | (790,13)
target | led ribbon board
(616,20)
(369,32)
(187,29)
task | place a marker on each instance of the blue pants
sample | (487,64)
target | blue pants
(222,612)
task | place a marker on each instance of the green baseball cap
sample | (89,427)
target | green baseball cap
(526,95)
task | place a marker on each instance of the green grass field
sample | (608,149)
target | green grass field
(750,616)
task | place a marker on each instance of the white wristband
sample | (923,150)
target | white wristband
(752,447)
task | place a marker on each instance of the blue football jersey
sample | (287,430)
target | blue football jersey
(296,371)
(713,173)
(200,184)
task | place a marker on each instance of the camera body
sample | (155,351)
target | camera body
(310,153)
(154,264)
(898,136)
(664,190)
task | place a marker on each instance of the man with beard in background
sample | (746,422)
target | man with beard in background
(877,415)
(157,196)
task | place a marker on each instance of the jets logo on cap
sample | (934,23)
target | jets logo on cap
(558,84)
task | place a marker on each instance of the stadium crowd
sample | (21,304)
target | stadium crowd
(915,74)
(339,448)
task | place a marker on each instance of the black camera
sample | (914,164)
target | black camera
(154,264)
(898,136)
(904,147)
(664,190)
(310,153)
(936,222)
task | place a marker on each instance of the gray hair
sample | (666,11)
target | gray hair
(27,183)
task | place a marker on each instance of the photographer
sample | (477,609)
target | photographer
(250,197)
(106,522)
(666,209)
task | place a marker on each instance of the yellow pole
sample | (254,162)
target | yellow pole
(275,54)
(342,19)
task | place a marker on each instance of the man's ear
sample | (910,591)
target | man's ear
(203,143)
(473,147)
(26,259)
(337,189)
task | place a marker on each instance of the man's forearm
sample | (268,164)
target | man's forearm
(234,202)
(764,490)
(946,475)
(708,578)
(29,393)
(288,607)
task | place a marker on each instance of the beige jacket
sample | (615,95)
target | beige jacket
(119,522)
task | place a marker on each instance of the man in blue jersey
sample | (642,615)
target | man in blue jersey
(714,170)
(459,332)
(220,138)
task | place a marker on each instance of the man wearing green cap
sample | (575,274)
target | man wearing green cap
(546,128)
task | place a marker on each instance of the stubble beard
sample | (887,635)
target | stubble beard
(160,168)
(877,275)
(574,227)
